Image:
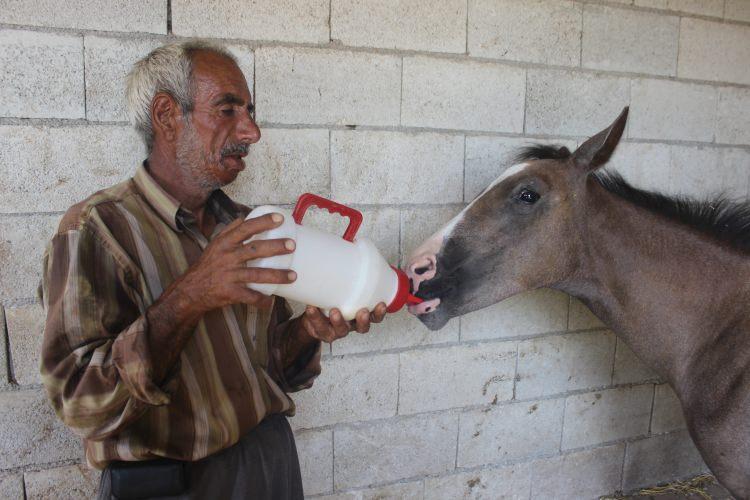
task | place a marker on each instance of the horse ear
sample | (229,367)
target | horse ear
(596,151)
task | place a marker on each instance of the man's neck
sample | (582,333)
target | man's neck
(176,182)
(181,187)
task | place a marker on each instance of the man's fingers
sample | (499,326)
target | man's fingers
(378,314)
(318,326)
(310,329)
(253,226)
(257,249)
(362,321)
(264,275)
(340,325)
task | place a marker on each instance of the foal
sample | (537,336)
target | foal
(670,276)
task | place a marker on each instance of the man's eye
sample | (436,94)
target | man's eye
(227,111)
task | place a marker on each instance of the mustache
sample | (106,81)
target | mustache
(235,149)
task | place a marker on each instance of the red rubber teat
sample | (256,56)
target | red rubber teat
(403,296)
(413,300)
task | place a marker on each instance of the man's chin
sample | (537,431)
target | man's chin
(228,170)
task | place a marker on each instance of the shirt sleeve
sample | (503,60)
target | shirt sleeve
(97,366)
(292,374)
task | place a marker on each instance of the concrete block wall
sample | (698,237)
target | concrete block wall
(405,110)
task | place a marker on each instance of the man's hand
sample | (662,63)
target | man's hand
(317,326)
(221,275)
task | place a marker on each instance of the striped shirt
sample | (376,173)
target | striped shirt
(111,258)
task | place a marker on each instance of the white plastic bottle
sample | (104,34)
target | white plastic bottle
(332,272)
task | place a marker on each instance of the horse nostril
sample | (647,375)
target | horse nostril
(421,270)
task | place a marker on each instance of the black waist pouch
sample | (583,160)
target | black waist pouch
(152,478)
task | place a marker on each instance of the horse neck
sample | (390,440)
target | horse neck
(666,289)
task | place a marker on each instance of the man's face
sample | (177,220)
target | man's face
(216,135)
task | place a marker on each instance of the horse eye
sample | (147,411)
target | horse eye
(528,196)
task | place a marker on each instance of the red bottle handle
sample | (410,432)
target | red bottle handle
(308,199)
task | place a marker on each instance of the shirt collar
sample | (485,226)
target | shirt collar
(169,209)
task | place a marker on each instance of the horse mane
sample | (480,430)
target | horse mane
(721,218)
(542,152)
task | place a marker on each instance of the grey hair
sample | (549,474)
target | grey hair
(169,69)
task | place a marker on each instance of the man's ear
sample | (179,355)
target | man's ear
(165,114)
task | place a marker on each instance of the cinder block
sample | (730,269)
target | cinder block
(282,166)
(714,51)
(22,244)
(706,172)
(431,25)
(563,363)
(488,157)
(531,313)
(711,8)
(32,89)
(25,331)
(303,21)
(397,331)
(661,459)
(540,32)
(394,167)
(512,483)
(731,162)
(327,87)
(458,376)
(738,10)
(394,449)
(315,450)
(629,369)
(51,168)
(627,40)
(587,474)
(149,16)
(419,223)
(700,7)
(581,318)
(64,483)
(644,165)
(398,491)
(475,96)
(30,432)
(672,110)
(348,390)
(733,120)
(667,416)
(604,416)
(653,4)
(4,367)
(567,103)
(108,61)
(510,432)
(11,486)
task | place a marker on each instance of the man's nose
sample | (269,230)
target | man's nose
(247,129)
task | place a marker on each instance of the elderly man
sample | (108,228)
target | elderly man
(155,351)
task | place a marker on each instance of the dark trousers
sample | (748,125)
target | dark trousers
(262,465)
